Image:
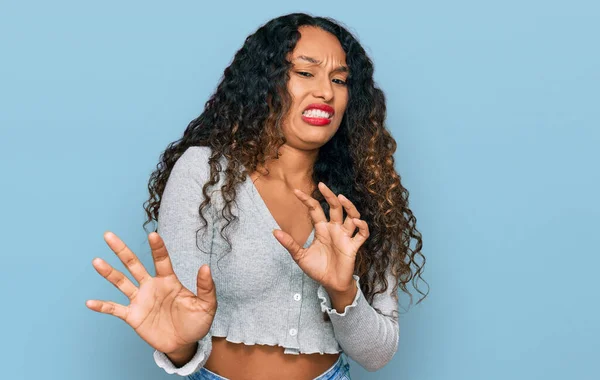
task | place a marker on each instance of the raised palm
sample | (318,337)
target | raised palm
(331,257)
(162,311)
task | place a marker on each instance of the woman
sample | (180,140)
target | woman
(296,126)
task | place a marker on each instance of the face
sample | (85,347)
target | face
(318,89)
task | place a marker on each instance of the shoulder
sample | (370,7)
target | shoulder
(195,154)
(191,168)
(194,160)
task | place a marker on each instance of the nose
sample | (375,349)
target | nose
(323,89)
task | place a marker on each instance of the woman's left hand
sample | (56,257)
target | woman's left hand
(330,258)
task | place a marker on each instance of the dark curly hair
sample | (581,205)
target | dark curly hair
(241,121)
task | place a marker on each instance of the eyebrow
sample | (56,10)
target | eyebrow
(343,69)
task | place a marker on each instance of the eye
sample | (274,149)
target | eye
(303,73)
(343,83)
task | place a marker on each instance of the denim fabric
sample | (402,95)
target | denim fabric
(340,370)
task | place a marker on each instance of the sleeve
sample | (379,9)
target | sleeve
(178,221)
(366,336)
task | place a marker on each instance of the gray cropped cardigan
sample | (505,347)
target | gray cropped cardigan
(263,295)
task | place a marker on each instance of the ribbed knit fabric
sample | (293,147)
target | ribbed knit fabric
(263,296)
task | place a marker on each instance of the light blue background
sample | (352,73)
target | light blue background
(495,107)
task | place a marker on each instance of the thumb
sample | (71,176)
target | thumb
(205,286)
(288,243)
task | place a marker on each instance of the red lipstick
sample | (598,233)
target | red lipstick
(319,121)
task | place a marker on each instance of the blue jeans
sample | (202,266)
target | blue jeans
(340,370)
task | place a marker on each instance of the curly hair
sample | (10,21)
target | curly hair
(241,121)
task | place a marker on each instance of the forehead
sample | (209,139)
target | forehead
(317,43)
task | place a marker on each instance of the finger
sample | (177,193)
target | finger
(290,244)
(162,260)
(115,277)
(317,215)
(335,207)
(363,232)
(108,307)
(128,258)
(351,212)
(205,287)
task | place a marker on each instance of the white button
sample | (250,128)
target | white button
(297,296)
(293,332)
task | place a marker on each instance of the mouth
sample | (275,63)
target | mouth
(318,114)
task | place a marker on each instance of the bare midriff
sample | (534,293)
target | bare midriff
(238,361)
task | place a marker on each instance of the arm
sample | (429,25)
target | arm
(178,221)
(368,337)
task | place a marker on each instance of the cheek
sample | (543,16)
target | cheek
(342,94)
(343,103)
(296,87)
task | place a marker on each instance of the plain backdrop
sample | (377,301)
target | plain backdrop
(495,107)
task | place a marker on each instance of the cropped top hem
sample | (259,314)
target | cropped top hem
(288,350)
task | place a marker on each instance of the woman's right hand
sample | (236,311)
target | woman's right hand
(162,311)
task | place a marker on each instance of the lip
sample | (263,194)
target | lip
(318,121)
(320,106)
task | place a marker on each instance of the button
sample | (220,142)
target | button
(297,296)
(293,332)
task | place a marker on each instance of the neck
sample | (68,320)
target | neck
(294,167)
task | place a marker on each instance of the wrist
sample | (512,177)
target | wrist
(183,349)
(342,298)
(183,354)
(342,291)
